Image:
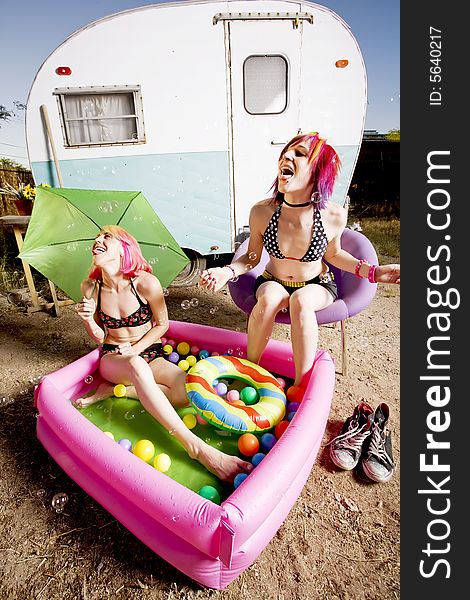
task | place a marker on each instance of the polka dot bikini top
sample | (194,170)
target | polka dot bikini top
(139,317)
(318,243)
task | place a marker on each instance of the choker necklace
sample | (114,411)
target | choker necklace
(298,205)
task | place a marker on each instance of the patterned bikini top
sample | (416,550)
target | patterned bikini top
(139,317)
(318,243)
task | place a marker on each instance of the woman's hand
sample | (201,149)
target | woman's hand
(126,349)
(86,309)
(387,274)
(215,278)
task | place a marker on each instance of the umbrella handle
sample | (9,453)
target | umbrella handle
(47,124)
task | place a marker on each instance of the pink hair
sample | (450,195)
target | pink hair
(132,260)
(325,165)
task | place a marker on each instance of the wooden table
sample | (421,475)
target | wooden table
(20,225)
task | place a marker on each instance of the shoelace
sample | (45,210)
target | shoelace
(353,438)
(377,447)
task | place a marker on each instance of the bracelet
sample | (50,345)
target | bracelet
(234,275)
(371,275)
(358,268)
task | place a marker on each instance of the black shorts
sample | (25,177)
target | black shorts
(326,280)
(151,353)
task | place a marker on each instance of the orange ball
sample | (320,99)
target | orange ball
(295,393)
(248,444)
(280,428)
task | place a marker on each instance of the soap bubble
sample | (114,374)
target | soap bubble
(194,302)
(185,304)
(59,501)
(89,379)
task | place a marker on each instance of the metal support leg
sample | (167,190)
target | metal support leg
(344,349)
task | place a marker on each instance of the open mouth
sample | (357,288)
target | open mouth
(99,250)
(286,173)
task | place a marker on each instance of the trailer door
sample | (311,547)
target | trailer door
(264,69)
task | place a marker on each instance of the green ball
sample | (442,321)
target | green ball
(249,395)
(210,493)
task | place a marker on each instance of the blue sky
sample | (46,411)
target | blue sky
(32,29)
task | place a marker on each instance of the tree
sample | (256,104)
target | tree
(6,114)
(393,134)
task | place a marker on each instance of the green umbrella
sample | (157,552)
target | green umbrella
(65,222)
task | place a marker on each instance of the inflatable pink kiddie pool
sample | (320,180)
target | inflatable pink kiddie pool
(210,543)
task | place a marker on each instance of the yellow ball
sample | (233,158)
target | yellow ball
(191,360)
(162,462)
(190,421)
(109,434)
(183,364)
(183,348)
(119,390)
(167,349)
(144,449)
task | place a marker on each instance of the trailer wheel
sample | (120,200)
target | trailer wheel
(191,273)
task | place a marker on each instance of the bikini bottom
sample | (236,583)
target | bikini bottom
(151,353)
(326,280)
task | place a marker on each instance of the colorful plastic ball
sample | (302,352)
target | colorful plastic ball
(292,406)
(257,458)
(267,441)
(295,393)
(183,364)
(280,428)
(190,421)
(249,395)
(215,354)
(281,381)
(167,349)
(174,357)
(194,350)
(248,444)
(290,415)
(221,388)
(239,479)
(171,343)
(192,360)
(163,341)
(203,354)
(201,420)
(125,443)
(210,493)
(233,395)
(183,348)
(162,462)
(109,434)
(119,390)
(144,449)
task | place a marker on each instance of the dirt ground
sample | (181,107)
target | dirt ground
(340,540)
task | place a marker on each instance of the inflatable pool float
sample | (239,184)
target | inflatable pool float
(210,543)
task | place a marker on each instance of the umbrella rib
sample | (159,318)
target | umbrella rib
(71,241)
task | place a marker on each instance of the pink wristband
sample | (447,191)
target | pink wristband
(358,268)
(371,275)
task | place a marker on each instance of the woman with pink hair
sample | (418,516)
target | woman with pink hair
(298,228)
(123,308)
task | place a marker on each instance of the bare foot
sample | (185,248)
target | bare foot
(104,390)
(224,466)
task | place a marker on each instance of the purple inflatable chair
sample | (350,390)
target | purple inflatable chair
(354,294)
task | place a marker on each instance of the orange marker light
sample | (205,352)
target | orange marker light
(342,63)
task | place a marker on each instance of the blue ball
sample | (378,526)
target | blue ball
(240,478)
(290,416)
(174,357)
(125,443)
(203,354)
(221,388)
(257,458)
(267,441)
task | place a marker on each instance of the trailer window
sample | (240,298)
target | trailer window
(99,116)
(265,84)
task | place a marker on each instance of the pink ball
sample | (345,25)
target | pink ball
(233,395)
(171,343)
(215,354)
(281,381)
(163,340)
(194,350)
(200,420)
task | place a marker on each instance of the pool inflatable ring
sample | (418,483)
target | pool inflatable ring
(265,414)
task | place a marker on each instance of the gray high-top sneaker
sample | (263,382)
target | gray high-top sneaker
(377,460)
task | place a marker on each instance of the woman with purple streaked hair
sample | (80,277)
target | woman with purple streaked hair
(299,228)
